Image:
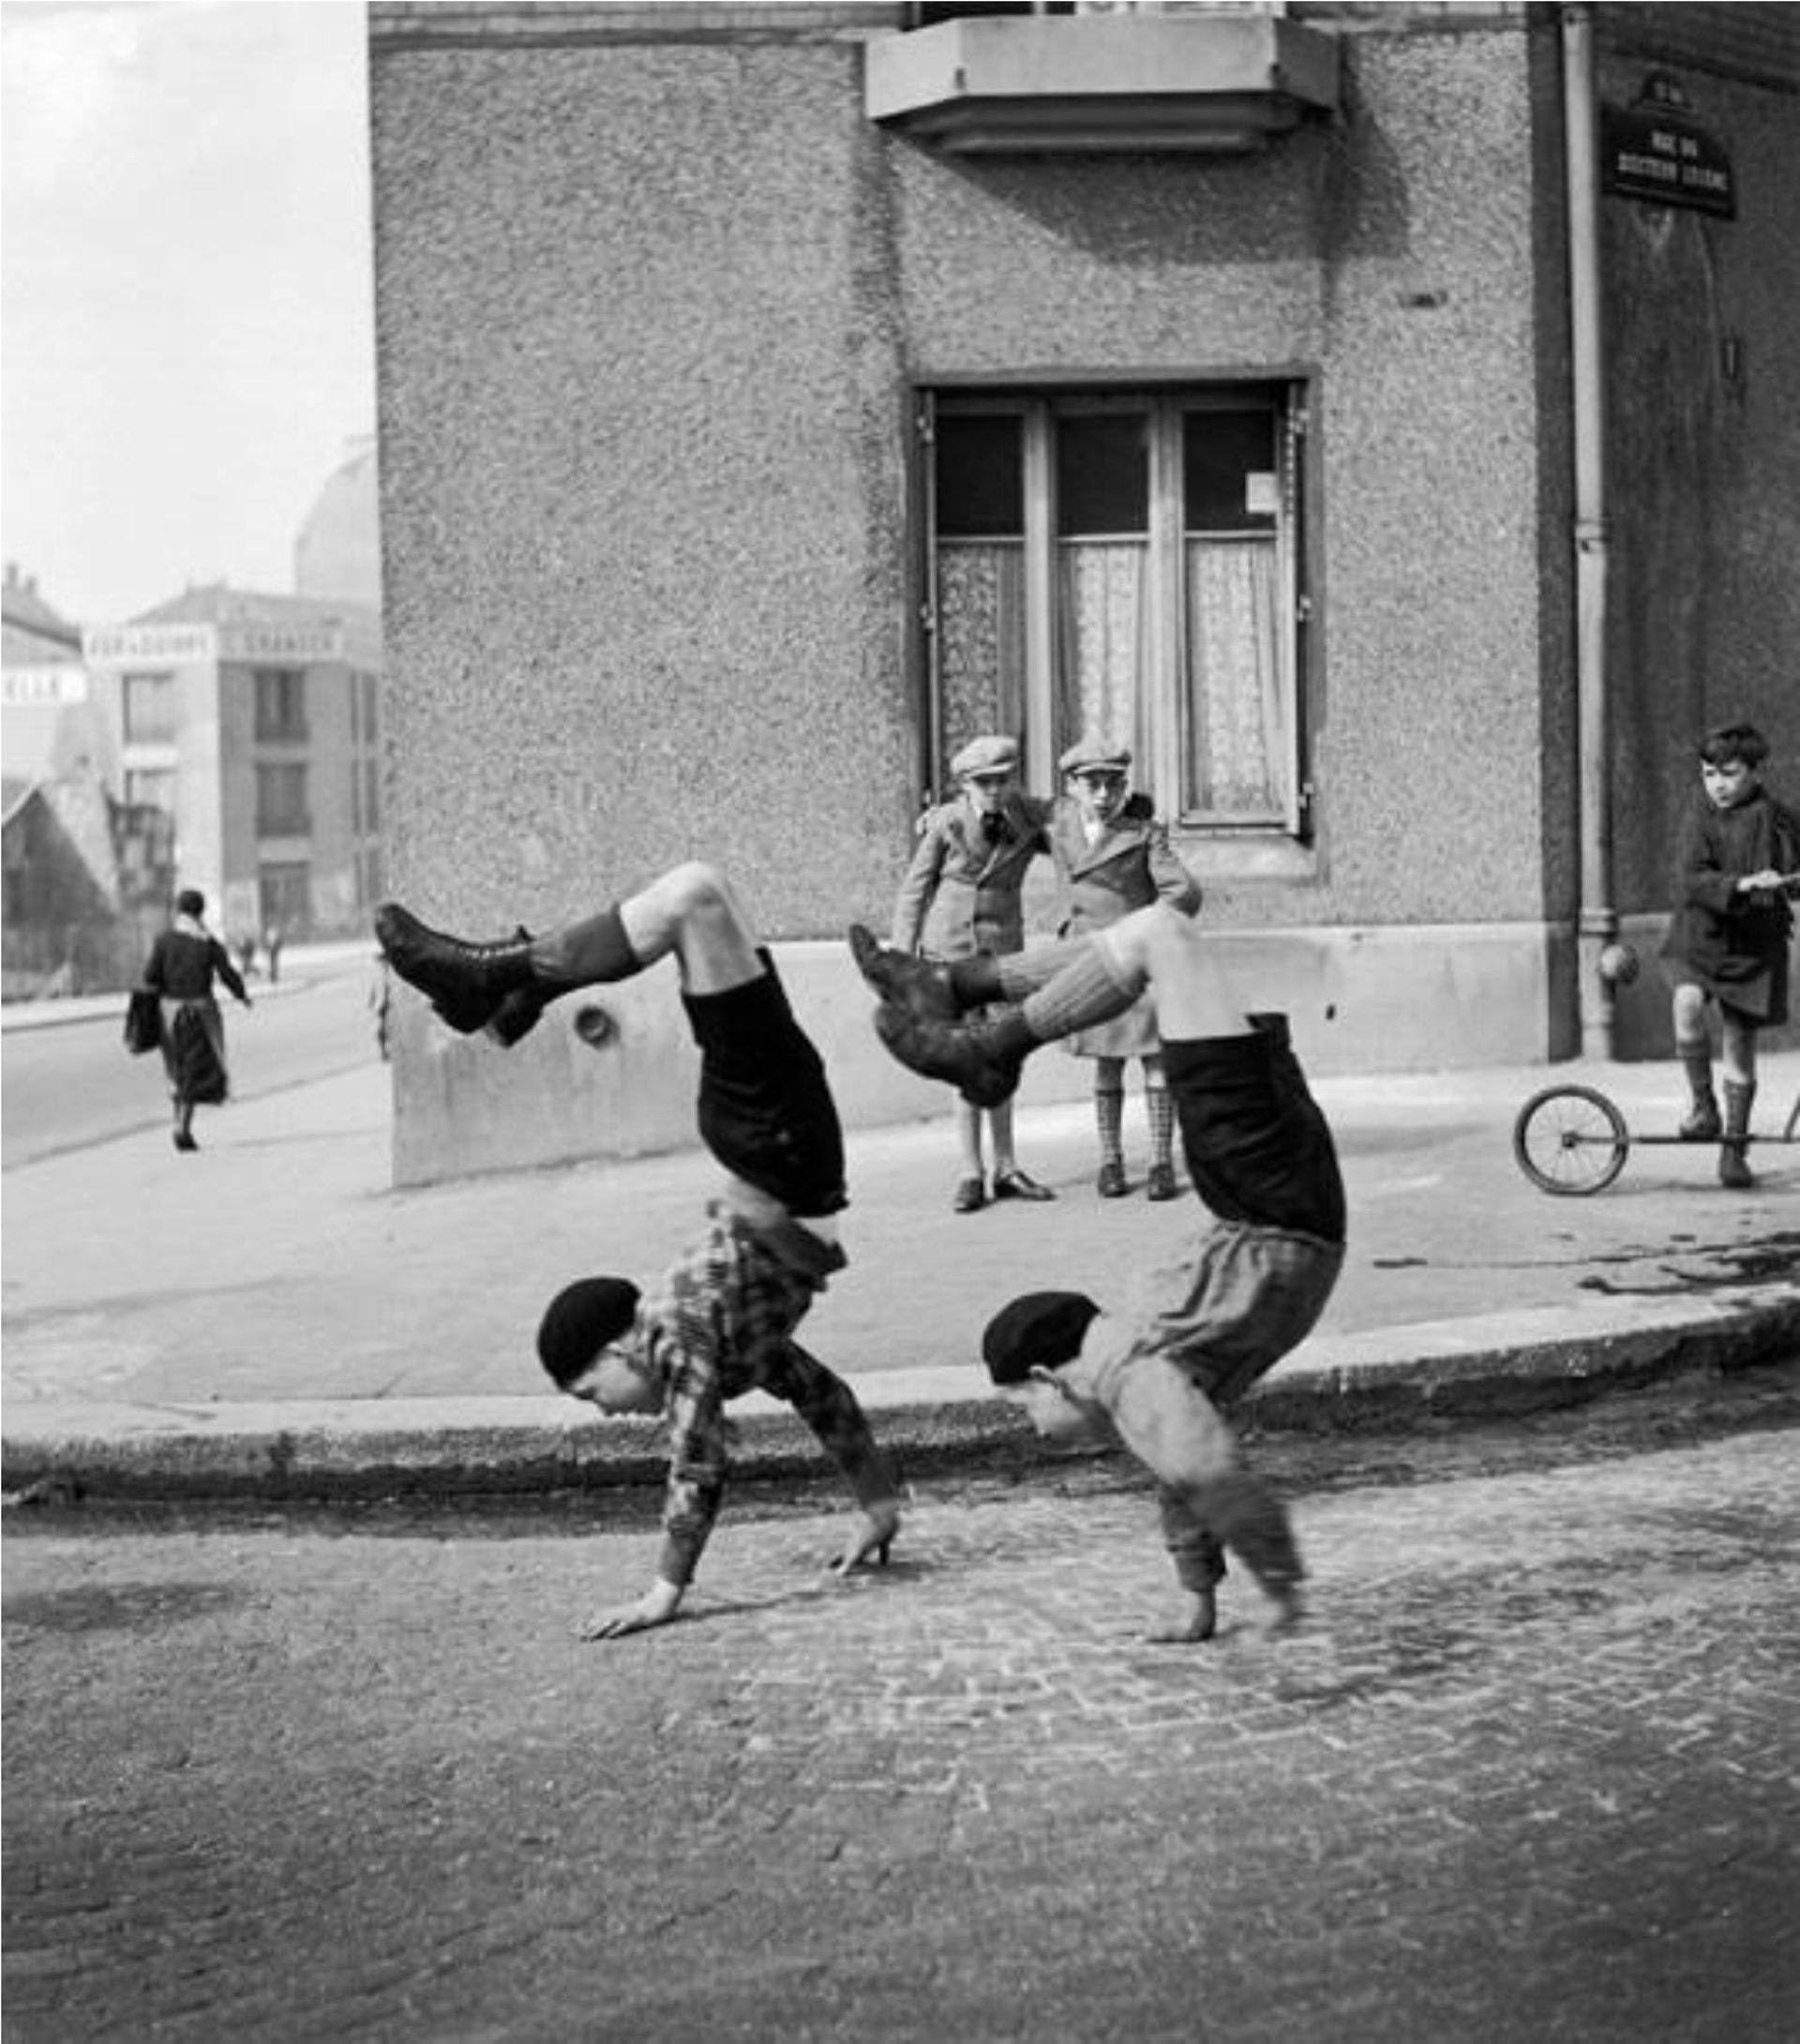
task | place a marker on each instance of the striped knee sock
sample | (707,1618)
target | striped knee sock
(1109,1116)
(1159,1103)
(1083,992)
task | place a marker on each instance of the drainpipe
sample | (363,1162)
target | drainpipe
(1597,922)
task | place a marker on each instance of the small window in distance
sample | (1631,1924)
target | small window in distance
(149,788)
(148,709)
(280,703)
(281,802)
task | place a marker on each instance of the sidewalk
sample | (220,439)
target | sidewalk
(270,1318)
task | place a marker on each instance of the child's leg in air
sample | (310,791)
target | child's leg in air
(692,910)
(504,987)
(1167,951)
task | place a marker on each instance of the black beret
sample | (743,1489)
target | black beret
(1038,1330)
(580,1322)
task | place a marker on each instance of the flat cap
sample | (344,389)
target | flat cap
(1095,754)
(1039,1330)
(580,1322)
(988,754)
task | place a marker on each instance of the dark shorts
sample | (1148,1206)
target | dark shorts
(1257,1147)
(765,1110)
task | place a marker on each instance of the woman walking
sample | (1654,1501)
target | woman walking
(184,962)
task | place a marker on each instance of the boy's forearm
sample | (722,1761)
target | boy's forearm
(838,1423)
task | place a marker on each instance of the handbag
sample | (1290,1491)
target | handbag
(143,1021)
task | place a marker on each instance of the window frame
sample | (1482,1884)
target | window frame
(275,819)
(280,707)
(1169,402)
(162,688)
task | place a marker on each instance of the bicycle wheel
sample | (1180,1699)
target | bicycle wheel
(1570,1140)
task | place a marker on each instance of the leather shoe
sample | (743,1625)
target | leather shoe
(969,1196)
(1112,1183)
(1733,1172)
(518,1015)
(918,986)
(466,983)
(1162,1184)
(971,1056)
(1016,1184)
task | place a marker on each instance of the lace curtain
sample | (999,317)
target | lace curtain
(1238,746)
(1102,642)
(1235,747)
(981,640)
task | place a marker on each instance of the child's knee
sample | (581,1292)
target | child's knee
(695,884)
(1689,1007)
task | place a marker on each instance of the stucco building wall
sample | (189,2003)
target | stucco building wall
(653,303)
(642,464)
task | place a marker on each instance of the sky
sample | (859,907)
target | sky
(185,289)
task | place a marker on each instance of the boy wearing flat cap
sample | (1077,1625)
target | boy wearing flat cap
(1113,855)
(721,1322)
(1160,1371)
(961,898)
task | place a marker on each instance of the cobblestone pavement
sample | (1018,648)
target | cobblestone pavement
(1532,1772)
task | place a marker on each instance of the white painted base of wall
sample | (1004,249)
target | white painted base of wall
(1398,998)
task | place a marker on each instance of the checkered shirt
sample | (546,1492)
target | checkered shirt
(721,1324)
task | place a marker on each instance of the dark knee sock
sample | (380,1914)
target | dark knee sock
(975,982)
(586,954)
(1696,1062)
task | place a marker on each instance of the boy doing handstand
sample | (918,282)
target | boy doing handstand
(1160,1371)
(721,1322)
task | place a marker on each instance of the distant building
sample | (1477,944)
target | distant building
(339,551)
(86,878)
(254,720)
(87,885)
(47,722)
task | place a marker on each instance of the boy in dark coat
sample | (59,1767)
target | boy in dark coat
(1738,859)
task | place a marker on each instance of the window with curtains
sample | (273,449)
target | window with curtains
(1128,563)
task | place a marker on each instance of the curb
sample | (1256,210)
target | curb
(290,1451)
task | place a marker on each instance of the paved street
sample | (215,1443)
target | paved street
(1531,1772)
